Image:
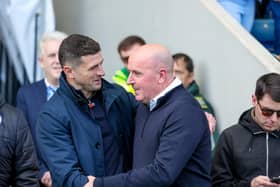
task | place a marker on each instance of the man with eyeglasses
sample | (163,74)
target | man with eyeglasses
(247,154)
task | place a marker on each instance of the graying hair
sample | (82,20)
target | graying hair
(47,36)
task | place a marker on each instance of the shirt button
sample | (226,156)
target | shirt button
(97,145)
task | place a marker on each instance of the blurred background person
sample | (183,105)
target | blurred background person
(184,70)
(31,98)
(274,8)
(243,11)
(18,162)
(125,48)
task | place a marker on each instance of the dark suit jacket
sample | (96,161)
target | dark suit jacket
(30,99)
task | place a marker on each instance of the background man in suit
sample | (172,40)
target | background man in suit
(30,98)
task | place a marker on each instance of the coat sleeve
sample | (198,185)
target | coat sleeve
(25,157)
(42,167)
(223,164)
(62,160)
(178,142)
(20,101)
(21,105)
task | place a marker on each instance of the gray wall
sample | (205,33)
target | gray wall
(227,59)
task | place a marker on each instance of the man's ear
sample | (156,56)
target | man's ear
(190,78)
(254,100)
(162,75)
(191,75)
(41,62)
(68,71)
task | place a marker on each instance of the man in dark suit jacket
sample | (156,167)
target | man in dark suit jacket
(172,139)
(31,98)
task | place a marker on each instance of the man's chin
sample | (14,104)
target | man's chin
(141,99)
(138,98)
(270,127)
(97,87)
(56,75)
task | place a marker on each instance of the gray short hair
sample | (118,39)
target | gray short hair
(53,35)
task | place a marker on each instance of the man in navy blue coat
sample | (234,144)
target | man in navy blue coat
(85,129)
(172,139)
(31,98)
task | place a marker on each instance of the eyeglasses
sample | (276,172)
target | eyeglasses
(268,112)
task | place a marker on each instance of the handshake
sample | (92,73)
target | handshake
(90,181)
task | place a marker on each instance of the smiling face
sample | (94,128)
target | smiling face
(262,108)
(87,76)
(49,61)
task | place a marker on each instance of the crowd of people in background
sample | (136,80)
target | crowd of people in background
(154,130)
(31,98)
(149,127)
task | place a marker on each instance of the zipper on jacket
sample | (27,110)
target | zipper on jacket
(267,153)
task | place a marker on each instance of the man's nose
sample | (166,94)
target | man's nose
(130,79)
(56,58)
(274,117)
(101,71)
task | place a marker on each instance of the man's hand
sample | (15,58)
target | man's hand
(263,181)
(211,122)
(47,179)
(90,181)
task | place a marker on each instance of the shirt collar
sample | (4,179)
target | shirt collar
(49,85)
(153,102)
